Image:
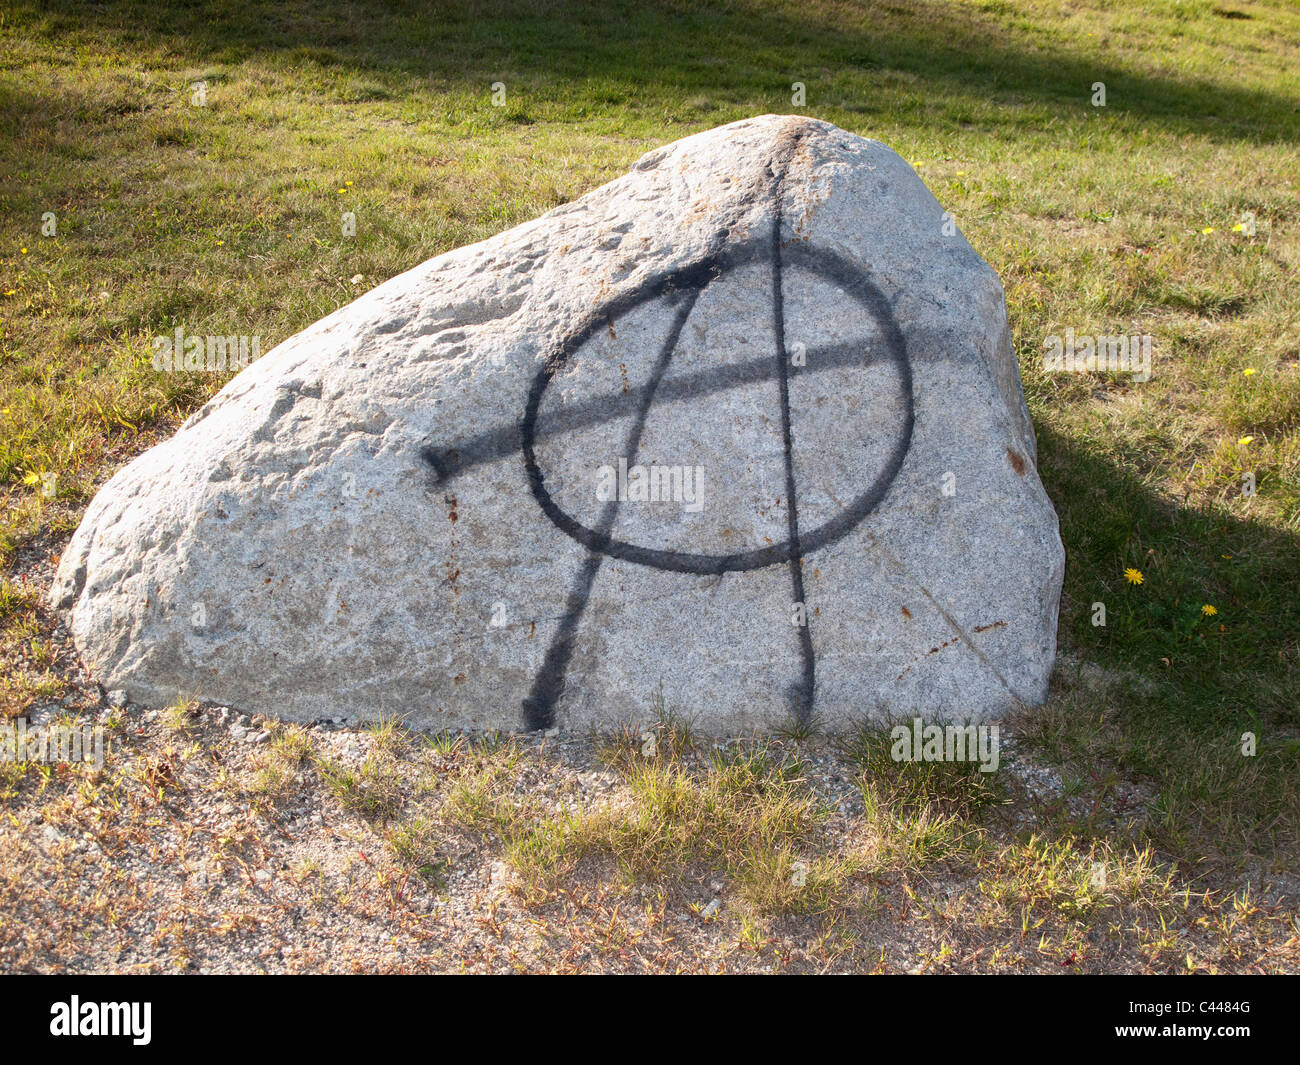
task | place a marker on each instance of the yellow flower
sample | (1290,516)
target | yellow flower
(1238,228)
(1133,576)
(1208,229)
(1245,440)
(24,250)
(342,191)
(347,183)
(32,478)
(1249,370)
(220,242)
(1208,610)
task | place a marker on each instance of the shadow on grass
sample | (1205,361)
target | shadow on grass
(923,61)
(1247,571)
(1192,682)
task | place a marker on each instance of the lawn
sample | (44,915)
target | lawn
(172,164)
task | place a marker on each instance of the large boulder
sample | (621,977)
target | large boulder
(740,434)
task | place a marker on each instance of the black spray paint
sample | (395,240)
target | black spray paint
(681,289)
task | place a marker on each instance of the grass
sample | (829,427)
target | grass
(371,789)
(747,816)
(226,218)
(279,767)
(180,715)
(958,787)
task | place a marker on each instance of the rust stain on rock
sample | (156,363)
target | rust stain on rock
(931,651)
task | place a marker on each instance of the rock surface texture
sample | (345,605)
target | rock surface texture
(740,434)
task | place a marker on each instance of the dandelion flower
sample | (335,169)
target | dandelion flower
(348,183)
(32,478)
(1133,576)
(1208,229)
(24,251)
(1249,370)
(1209,611)
(1245,440)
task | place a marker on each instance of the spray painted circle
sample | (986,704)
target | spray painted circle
(681,288)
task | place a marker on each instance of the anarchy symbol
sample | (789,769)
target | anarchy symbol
(681,289)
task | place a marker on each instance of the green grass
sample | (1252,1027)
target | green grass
(225,219)
(373,789)
(958,787)
(746,816)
